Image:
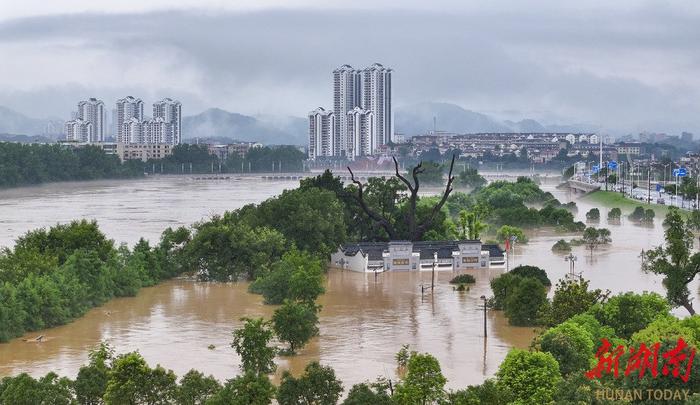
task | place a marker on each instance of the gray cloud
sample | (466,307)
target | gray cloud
(625,68)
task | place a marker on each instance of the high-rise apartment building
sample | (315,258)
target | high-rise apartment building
(362,120)
(321,131)
(361,131)
(93,111)
(127,108)
(78,130)
(346,96)
(376,97)
(88,123)
(171,113)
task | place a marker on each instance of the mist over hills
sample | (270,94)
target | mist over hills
(417,119)
(216,123)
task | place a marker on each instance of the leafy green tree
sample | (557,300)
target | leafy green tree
(365,393)
(424,382)
(25,390)
(593,238)
(251,342)
(471,178)
(571,297)
(675,261)
(318,385)
(593,214)
(246,389)
(195,388)
(571,345)
(629,312)
(470,226)
(502,286)
(295,323)
(432,173)
(489,392)
(91,383)
(524,305)
(637,214)
(614,214)
(561,246)
(223,249)
(534,272)
(530,377)
(507,232)
(313,219)
(131,381)
(298,276)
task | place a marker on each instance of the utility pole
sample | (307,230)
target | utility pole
(483,298)
(649,184)
(432,281)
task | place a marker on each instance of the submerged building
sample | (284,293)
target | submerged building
(418,256)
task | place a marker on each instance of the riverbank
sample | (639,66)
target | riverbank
(611,199)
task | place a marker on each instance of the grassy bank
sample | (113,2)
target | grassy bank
(610,199)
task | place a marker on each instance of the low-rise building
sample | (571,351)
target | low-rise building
(143,151)
(418,256)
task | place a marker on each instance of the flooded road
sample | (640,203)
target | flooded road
(363,323)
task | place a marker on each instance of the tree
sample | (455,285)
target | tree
(506,232)
(471,178)
(295,323)
(416,228)
(195,388)
(593,214)
(571,297)
(251,342)
(246,389)
(424,382)
(470,226)
(490,392)
(593,237)
(524,305)
(628,313)
(531,377)
(298,276)
(674,261)
(25,390)
(614,214)
(131,381)
(364,393)
(318,386)
(561,246)
(502,286)
(534,272)
(571,345)
(91,383)
(638,214)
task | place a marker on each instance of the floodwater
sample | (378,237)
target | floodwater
(364,320)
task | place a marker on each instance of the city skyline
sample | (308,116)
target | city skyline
(627,66)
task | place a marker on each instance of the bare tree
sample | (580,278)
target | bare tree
(415,230)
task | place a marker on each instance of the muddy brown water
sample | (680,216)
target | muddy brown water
(364,320)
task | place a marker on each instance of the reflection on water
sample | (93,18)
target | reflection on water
(363,322)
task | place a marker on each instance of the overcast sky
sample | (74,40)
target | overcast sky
(627,66)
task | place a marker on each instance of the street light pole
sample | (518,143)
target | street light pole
(483,298)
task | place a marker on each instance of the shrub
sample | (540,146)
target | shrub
(463,279)
(562,246)
(614,214)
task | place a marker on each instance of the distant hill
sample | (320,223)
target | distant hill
(12,122)
(417,119)
(218,123)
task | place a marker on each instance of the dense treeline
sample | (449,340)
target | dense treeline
(193,158)
(53,276)
(25,164)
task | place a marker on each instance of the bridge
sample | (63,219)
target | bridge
(581,186)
